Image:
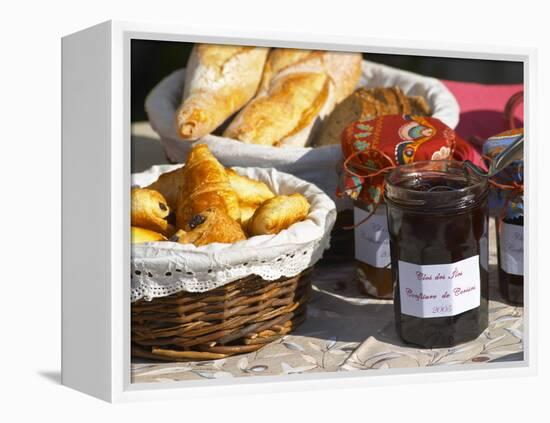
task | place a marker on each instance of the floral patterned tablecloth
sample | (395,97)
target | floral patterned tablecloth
(346,331)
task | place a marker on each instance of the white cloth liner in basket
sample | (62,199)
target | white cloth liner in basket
(317,165)
(163,268)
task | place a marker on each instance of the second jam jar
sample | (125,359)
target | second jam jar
(372,251)
(506,204)
(510,258)
(438,227)
(510,248)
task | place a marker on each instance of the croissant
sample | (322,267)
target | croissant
(249,191)
(278,213)
(205,185)
(246,214)
(210,225)
(169,184)
(149,210)
(219,81)
(140,235)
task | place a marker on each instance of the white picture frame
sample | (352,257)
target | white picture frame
(96,161)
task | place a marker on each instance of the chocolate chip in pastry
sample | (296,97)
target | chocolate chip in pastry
(208,226)
(149,210)
(169,185)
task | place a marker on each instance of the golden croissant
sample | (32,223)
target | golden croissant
(211,225)
(278,213)
(140,235)
(205,185)
(149,210)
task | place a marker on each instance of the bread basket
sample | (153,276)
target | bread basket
(317,165)
(217,300)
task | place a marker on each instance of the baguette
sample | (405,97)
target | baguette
(289,106)
(344,69)
(219,81)
(298,89)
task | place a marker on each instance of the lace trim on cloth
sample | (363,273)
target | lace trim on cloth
(160,269)
(182,278)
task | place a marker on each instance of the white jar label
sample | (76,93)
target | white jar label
(372,240)
(511,249)
(439,290)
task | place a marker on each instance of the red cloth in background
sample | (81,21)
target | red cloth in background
(482,108)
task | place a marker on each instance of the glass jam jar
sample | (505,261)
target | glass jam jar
(506,205)
(372,251)
(510,255)
(438,227)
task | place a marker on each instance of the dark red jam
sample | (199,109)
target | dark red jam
(438,227)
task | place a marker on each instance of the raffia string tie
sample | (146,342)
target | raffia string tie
(366,172)
(513,189)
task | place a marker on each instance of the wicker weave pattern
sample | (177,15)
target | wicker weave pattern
(236,318)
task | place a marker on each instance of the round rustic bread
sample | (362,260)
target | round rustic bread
(367,104)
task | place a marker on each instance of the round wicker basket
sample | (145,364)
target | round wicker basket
(239,317)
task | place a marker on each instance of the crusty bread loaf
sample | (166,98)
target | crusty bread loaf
(366,104)
(219,81)
(288,108)
(280,59)
(344,69)
(298,89)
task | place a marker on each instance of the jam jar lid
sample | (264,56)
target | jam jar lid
(435,186)
(370,145)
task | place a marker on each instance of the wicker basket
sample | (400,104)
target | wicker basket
(239,317)
(214,301)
